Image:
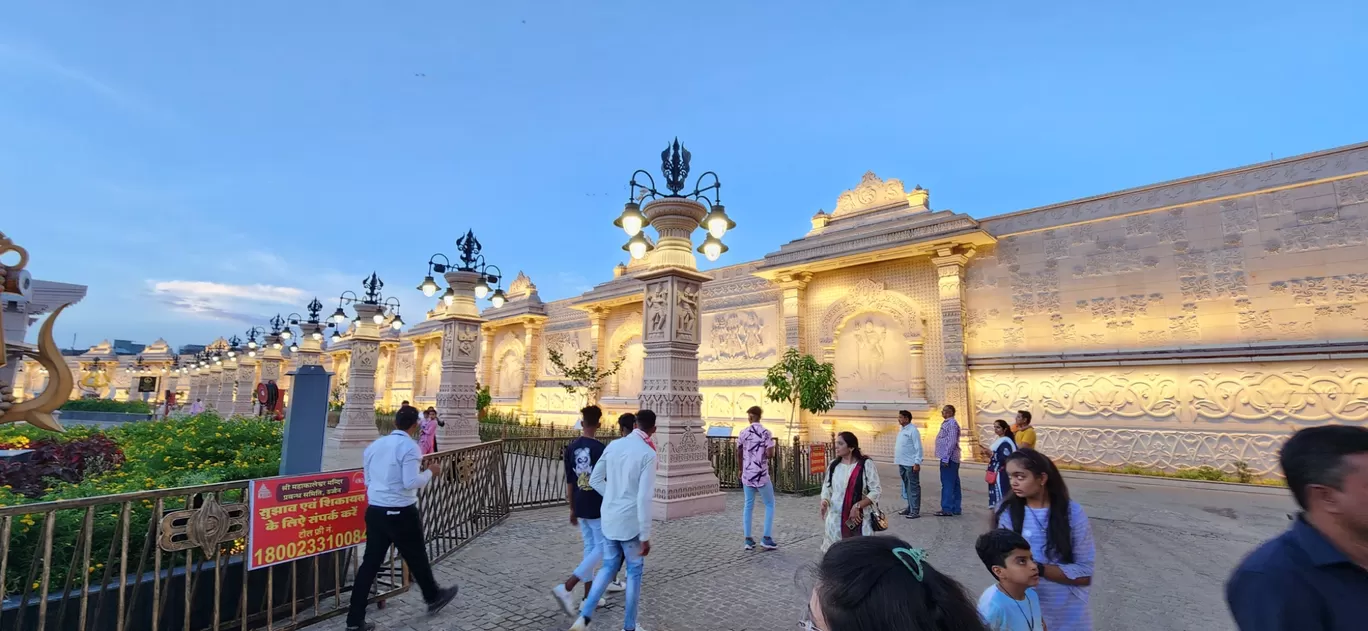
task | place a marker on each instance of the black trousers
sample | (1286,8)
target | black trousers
(402,528)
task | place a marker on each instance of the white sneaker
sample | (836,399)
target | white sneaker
(603,602)
(565,598)
(580,624)
(617,586)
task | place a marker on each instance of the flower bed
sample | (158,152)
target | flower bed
(85,462)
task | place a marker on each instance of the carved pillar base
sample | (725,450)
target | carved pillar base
(456,394)
(246,387)
(685,482)
(356,427)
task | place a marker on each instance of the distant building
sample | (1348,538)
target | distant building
(191,349)
(125,347)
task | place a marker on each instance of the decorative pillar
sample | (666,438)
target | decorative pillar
(950,261)
(215,385)
(402,369)
(486,378)
(671,330)
(794,287)
(246,385)
(356,427)
(598,317)
(533,337)
(460,343)
(227,387)
(916,377)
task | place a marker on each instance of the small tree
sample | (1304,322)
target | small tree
(803,382)
(584,377)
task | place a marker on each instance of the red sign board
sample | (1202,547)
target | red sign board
(817,459)
(300,516)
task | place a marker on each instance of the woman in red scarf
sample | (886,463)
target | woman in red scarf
(849,493)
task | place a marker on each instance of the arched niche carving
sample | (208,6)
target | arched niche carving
(874,337)
(626,345)
(509,368)
(432,374)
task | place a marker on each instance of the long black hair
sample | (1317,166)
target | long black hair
(863,585)
(1006,429)
(854,444)
(1058,532)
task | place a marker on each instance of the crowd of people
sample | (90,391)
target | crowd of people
(1038,548)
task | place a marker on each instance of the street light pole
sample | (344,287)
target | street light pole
(470,279)
(671,321)
(356,427)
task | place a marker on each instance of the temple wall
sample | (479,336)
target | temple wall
(1212,320)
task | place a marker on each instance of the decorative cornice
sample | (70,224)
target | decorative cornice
(1266,176)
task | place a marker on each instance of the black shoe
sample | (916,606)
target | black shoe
(905,512)
(913,515)
(444,598)
(365,626)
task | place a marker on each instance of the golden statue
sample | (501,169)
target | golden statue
(37,411)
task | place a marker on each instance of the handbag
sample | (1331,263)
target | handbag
(878,521)
(990,477)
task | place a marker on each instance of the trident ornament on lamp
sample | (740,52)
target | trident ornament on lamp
(675,223)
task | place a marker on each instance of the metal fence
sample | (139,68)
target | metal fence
(175,559)
(501,431)
(789,465)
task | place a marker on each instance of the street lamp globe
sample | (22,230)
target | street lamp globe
(286,334)
(317,335)
(498,298)
(712,248)
(449,297)
(481,288)
(294,347)
(632,220)
(336,337)
(717,222)
(638,246)
(378,318)
(428,286)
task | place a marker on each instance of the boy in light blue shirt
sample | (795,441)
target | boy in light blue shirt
(1011,604)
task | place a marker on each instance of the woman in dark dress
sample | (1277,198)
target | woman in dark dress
(998,485)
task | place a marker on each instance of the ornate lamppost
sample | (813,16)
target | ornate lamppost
(307,350)
(272,343)
(356,427)
(685,481)
(467,281)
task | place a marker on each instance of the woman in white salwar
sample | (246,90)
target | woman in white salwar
(846,506)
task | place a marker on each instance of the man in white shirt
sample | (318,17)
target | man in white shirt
(625,477)
(907,454)
(392,482)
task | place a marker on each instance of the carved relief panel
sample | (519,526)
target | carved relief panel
(508,366)
(568,343)
(872,358)
(746,338)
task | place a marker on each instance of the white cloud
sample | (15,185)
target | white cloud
(33,59)
(222,301)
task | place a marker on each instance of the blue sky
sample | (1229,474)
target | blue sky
(203,165)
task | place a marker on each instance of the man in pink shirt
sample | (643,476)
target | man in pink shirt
(754,448)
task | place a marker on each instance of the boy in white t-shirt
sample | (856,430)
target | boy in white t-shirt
(1011,604)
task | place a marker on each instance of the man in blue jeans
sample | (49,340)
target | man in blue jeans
(754,448)
(585,505)
(948,452)
(625,477)
(907,454)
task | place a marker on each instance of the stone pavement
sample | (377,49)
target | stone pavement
(1164,551)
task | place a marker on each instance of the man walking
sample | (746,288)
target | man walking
(948,452)
(754,448)
(1312,577)
(585,504)
(907,454)
(625,477)
(1025,437)
(392,483)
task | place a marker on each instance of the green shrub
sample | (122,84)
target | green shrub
(107,405)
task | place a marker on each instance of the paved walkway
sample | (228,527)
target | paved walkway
(1164,551)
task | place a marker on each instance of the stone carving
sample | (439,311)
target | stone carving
(510,374)
(466,336)
(1320,290)
(1157,449)
(1119,313)
(1251,393)
(1172,228)
(521,286)
(1318,235)
(872,192)
(656,309)
(364,355)
(867,296)
(686,312)
(1110,258)
(1035,293)
(1238,216)
(871,360)
(737,339)
(568,344)
(1353,190)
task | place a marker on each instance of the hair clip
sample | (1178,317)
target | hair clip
(911,559)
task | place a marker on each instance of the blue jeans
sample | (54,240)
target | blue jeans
(592,533)
(950,488)
(767,496)
(613,553)
(911,488)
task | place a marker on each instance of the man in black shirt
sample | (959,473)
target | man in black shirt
(580,457)
(1314,577)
